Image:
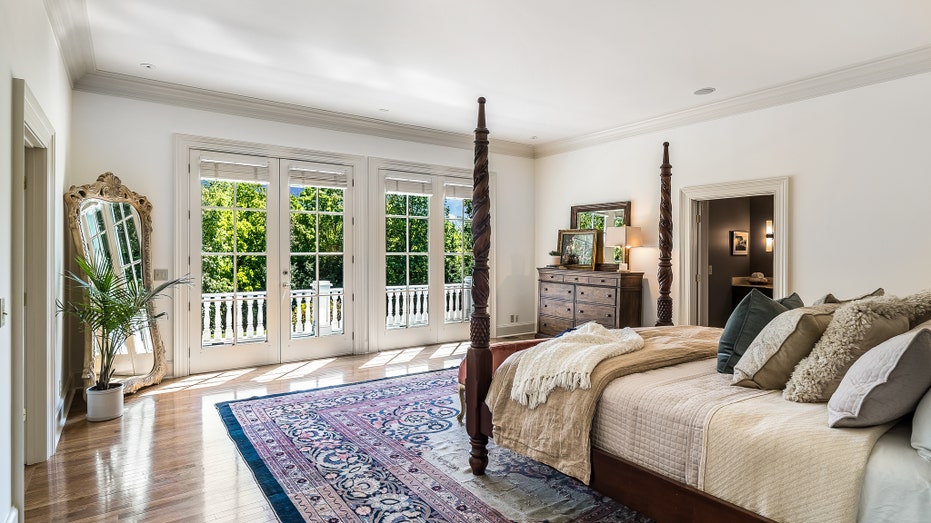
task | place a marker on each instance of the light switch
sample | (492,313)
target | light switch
(161,274)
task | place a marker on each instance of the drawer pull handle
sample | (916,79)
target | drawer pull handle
(582,292)
(569,292)
(569,309)
(581,311)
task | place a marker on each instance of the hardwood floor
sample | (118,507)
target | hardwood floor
(169,458)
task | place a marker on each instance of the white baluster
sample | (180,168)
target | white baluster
(250,328)
(205,318)
(260,320)
(230,311)
(217,320)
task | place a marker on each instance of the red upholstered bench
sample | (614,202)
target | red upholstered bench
(499,352)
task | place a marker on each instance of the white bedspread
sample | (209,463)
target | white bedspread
(567,361)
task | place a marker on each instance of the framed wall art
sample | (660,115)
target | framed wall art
(740,243)
(579,248)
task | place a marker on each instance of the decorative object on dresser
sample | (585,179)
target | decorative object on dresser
(571,298)
(625,237)
(555,258)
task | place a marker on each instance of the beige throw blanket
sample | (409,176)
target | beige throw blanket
(557,433)
(567,361)
(781,460)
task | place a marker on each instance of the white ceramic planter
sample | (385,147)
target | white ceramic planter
(104,404)
(554,260)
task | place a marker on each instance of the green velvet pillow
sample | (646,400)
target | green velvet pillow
(753,313)
(792,301)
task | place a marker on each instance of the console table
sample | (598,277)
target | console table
(572,297)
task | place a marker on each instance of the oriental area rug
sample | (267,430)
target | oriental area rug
(391,450)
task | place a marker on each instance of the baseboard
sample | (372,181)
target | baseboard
(12,515)
(514,329)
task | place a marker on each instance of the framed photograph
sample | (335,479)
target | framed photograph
(579,248)
(740,243)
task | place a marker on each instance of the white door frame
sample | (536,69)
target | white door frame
(38,381)
(184,298)
(689,251)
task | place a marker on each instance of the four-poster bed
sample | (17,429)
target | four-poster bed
(637,487)
(659,430)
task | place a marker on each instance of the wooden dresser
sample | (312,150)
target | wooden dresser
(571,297)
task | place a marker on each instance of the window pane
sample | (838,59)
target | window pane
(217,230)
(331,200)
(395,270)
(303,233)
(418,271)
(467,237)
(395,204)
(453,269)
(419,205)
(419,235)
(250,195)
(216,193)
(217,274)
(303,198)
(250,273)
(331,233)
(331,270)
(452,240)
(250,231)
(303,272)
(395,235)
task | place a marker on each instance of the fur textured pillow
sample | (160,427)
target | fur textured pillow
(857,326)
(919,307)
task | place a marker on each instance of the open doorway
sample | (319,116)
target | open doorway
(697,237)
(739,253)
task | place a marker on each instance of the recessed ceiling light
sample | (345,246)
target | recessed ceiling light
(147,65)
(382,109)
(533,137)
(704,90)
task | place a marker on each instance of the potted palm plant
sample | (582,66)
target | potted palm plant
(113,309)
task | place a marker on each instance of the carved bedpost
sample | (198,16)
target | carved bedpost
(478,359)
(664,302)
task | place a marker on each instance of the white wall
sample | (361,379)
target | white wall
(859,191)
(134,140)
(28,51)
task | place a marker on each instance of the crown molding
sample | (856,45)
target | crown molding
(126,86)
(916,61)
(71,28)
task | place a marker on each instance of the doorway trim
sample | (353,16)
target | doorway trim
(690,249)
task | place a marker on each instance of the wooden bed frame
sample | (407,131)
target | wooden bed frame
(652,494)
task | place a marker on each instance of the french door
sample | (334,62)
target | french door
(425,242)
(270,242)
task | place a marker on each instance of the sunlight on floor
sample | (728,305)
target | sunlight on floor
(450,349)
(199,381)
(317,383)
(293,370)
(392,357)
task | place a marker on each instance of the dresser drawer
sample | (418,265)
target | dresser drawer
(575,278)
(551,325)
(603,314)
(610,281)
(602,295)
(551,276)
(561,309)
(562,291)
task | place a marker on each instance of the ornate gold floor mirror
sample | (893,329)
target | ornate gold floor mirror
(108,219)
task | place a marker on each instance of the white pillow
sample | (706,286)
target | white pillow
(921,427)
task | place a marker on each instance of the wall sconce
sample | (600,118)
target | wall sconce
(624,237)
(769,236)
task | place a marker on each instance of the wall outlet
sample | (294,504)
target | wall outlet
(161,274)
(514,318)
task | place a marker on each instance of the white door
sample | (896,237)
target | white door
(268,260)
(425,244)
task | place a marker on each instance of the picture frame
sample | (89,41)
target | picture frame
(579,248)
(740,243)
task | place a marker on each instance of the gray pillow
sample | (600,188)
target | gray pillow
(779,347)
(857,327)
(753,312)
(792,301)
(885,383)
(829,298)
(921,427)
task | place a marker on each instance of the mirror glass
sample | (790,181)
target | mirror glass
(601,215)
(109,221)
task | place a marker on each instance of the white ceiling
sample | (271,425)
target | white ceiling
(552,71)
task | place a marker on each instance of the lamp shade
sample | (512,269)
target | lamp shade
(625,236)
